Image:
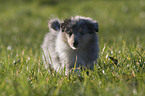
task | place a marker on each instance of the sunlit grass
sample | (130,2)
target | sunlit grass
(121,37)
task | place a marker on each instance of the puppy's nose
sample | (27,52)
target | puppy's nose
(75,43)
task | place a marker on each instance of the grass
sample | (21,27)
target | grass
(22,28)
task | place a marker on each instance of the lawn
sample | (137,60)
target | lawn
(23,24)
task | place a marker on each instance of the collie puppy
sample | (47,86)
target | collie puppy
(71,42)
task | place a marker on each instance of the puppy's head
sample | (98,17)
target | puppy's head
(79,31)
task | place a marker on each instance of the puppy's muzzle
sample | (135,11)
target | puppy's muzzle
(75,44)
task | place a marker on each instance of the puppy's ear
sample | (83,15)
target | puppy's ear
(96,26)
(54,24)
(93,26)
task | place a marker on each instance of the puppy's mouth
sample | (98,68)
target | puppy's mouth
(75,45)
(74,48)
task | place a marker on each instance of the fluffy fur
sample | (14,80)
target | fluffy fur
(71,41)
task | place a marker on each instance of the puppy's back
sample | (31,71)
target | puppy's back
(49,51)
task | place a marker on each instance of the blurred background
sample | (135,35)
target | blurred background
(23,23)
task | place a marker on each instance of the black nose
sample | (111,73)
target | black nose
(75,43)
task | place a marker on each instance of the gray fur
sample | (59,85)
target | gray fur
(60,53)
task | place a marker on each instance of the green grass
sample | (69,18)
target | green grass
(122,36)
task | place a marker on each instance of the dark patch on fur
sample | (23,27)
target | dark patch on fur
(66,25)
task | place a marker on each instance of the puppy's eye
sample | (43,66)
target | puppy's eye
(81,31)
